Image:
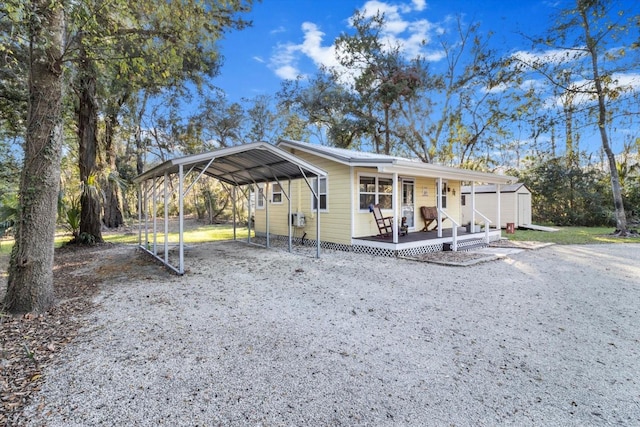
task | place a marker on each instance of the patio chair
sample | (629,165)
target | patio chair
(429,215)
(384,223)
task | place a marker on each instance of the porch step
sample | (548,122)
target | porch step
(467,245)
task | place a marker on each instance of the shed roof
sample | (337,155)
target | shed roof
(394,164)
(240,165)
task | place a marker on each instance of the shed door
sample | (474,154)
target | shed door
(524,209)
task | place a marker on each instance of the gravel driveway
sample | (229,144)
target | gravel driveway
(261,337)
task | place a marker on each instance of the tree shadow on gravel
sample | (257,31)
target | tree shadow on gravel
(31,342)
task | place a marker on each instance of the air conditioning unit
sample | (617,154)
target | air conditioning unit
(297,219)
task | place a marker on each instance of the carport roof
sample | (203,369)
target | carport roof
(240,165)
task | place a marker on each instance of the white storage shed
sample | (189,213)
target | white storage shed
(515,203)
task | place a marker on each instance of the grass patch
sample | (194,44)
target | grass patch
(571,236)
(205,233)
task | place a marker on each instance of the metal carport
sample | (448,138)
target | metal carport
(242,165)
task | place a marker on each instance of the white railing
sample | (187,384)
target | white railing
(487,222)
(454,229)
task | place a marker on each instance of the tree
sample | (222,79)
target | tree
(587,64)
(30,282)
(378,74)
(126,48)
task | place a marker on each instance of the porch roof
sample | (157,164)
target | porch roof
(393,164)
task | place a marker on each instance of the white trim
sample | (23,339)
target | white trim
(326,194)
(272,186)
(376,176)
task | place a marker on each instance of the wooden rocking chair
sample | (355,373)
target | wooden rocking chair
(384,223)
(429,215)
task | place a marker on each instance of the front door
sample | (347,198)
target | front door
(408,208)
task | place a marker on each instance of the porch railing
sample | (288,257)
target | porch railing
(487,222)
(454,229)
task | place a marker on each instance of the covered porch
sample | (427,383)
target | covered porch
(420,242)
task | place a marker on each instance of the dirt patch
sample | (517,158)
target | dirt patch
(29,343)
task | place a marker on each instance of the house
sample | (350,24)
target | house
(354,181)
(515,203)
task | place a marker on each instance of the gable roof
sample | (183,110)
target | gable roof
(240,165)
(393,164)
(513,188)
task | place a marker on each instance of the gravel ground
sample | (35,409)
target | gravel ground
(267,338)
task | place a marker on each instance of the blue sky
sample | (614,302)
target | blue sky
(294,37)
(291,37)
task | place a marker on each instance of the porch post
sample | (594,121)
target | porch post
(439,205)
(498,219)
(473,206)
(396,208)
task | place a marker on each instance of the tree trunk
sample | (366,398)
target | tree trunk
(30,282)
(90,211)
(621,218)
(112,217)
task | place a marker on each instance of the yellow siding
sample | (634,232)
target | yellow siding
(335,223)
(343,204)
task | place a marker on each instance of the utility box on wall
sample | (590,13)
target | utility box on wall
(297,219)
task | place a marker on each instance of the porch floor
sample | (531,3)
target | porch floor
(417,236)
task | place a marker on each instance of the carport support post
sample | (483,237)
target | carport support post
(233,200)
(166,218)
(289,202)
(266,209)
(146,215)
(317,217)
(140,214)
(181,217)
(250,188)
(154,207)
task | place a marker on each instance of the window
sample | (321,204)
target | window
(276,193)
(375,190)
(322,195)
(463,200)
(444,195)
(260,197)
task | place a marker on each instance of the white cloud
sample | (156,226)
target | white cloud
(287,72)
(412,36)
(312,46)
(419,5)
(284,61)
(278,30)
(258,59)
(552,56)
